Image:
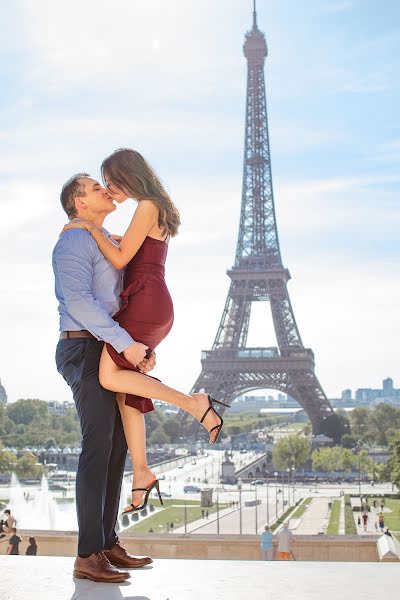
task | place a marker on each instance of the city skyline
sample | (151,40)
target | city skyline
(333,167)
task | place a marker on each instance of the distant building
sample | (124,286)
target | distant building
(59,408)
(3,393)
(388,393)
(346,395)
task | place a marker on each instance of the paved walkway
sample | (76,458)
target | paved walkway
(315,518)
(372,519)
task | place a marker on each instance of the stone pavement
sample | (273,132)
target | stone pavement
(372,519)
(38,577)
(315,518)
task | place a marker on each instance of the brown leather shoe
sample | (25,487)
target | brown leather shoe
(97,567)
(119,557)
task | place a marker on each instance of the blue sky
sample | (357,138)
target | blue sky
(80,79)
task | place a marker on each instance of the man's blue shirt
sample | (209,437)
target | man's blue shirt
(87,288)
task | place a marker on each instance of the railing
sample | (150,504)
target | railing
(245,353)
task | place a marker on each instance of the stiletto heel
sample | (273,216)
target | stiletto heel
(134,508)
(159,493)
(212,401)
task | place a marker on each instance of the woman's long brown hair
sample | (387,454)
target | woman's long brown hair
(131,173)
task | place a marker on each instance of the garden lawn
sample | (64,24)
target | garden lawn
(174,513)
(334,517)
(299,512)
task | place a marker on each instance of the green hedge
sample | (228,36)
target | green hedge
(349,524)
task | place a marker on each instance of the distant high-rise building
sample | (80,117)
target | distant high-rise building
(3,393)
(388,385)
(346,395)
(386,394)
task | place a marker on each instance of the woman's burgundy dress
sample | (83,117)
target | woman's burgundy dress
(146,311)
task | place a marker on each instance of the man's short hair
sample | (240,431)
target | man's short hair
(7,511)
(14,529)
(70,190)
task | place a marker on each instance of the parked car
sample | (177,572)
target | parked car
(257,482)
(165,495)
(161,477)
(180,466)
(191,489)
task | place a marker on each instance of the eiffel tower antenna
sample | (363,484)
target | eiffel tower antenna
(232,368)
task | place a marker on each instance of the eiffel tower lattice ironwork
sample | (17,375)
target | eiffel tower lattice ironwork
(231,368)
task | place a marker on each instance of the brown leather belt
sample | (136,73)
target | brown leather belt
(66,335)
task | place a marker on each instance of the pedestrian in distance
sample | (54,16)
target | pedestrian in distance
(32,548)
(365,521)
(387,532)
(13,542)
(359,521)
(266,544)
(285,538)
(7,523)
(381,521)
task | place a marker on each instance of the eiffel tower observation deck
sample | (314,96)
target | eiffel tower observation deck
(232,368)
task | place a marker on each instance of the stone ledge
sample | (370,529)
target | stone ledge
(214,547)
(51,577)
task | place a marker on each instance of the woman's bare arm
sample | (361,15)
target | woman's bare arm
(143,220)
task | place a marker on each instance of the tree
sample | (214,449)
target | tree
(27,467)
(292,450)
(158,436)
(23,412)
(349,441)
(348,459)
(359,419)
(335,426)
(395,470)
(333,459)
(7,461)
(172,428)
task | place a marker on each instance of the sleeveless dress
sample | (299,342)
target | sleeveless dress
(146,312)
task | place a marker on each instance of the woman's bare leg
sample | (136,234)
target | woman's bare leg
(135,434)
(129,382)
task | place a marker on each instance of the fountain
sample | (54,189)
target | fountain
(39,508)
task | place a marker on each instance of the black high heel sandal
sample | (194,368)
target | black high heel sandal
(134,508)
(212,401)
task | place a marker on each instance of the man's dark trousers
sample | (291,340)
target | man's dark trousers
(102,460)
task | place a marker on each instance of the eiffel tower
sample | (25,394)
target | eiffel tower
(231,368)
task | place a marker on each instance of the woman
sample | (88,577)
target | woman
(266,544)
(146,311)
(32,548)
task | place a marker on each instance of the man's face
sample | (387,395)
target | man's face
(97,199)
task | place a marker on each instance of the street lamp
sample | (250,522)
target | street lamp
(217,513)
(359,447)
(239,484)
(256,512)
(288,484)
(293,473)
(276,495)
(267,482)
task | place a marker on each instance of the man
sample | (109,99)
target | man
(87,287)
(7,524)
(285,537)
(13,542)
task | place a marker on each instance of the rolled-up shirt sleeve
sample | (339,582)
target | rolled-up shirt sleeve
(73,261)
